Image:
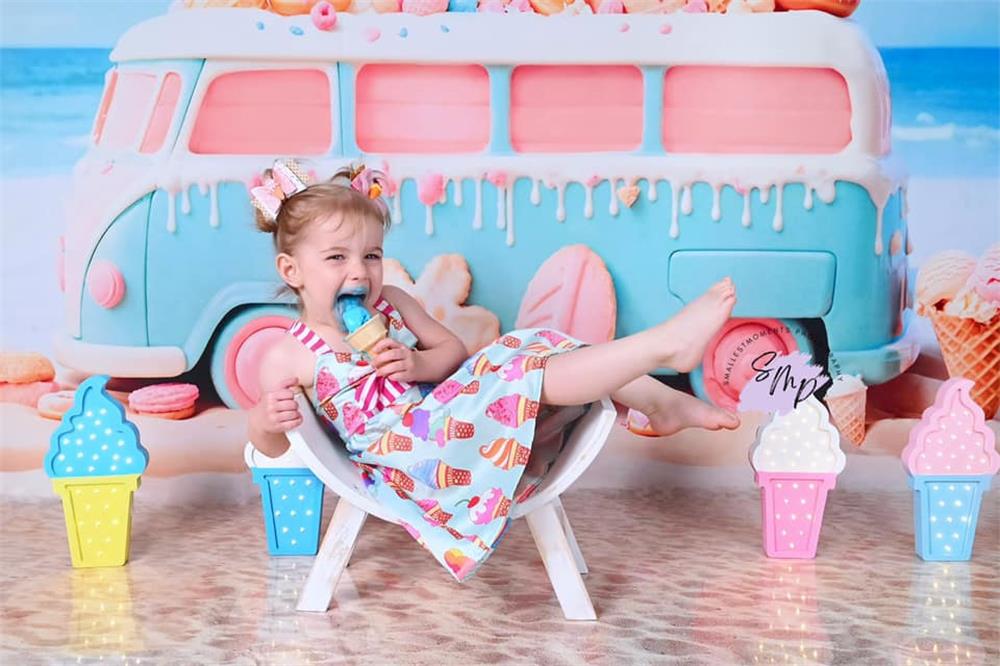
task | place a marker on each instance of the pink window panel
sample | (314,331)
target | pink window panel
(708,109)
(163,113)
(128,110)
(284,112)
(422,108)
(102,112)
(575,108)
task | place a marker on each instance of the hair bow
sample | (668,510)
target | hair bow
(370,182)
(284,180)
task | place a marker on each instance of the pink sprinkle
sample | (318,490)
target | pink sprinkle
(372,34)
(323,15)
(666,29)
(593,181)
(498,178)
(623,27)
(107,168)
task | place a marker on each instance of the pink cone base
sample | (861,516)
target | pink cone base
(792,505)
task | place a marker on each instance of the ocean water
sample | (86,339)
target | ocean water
(946,108)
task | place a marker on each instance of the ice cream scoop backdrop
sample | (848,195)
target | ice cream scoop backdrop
(593,283)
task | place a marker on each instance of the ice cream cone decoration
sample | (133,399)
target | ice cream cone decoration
(846,400)
(961,296)
(505,453)
(330,408)
(796,458)
(433,513)
(493,505)
(437,474)
(557,340)
(512,410)
(951,460)
(391,442)
(95,461)
(518,366)
(460,564)
(510,341)
(450,428)
(398,480)
(482,366)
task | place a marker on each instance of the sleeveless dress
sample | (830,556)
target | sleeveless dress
(447,461)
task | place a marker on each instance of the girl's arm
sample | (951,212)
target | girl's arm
(282,376)
(440,351)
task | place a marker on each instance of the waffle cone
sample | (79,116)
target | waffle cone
(848,413)
(972,350)
(368,335)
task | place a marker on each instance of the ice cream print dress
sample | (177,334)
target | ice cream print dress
(445,461)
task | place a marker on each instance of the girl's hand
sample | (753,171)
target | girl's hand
(278,410)
(394,360)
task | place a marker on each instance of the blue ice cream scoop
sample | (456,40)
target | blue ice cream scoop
(352,312)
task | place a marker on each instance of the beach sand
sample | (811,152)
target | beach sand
(201,458)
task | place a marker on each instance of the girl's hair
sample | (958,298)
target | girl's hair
(352,192)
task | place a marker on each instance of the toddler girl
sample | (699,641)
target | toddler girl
(440,439)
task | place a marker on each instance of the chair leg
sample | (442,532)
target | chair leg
(581,564)
(334,553)
(559,563)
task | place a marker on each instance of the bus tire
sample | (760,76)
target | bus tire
(239,345)
(725,367)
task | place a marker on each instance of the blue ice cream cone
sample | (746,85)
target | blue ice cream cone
(292,499)
(945,514)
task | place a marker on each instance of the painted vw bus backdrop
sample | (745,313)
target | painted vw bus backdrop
(675,170)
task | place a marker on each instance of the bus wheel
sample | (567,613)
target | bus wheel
(239,345)
(726,366)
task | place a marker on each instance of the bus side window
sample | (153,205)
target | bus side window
(163,113)
(575,108)
(128,102)
(717,109)
(403,108)
(283,112)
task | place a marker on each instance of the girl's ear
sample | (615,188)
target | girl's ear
(288,269)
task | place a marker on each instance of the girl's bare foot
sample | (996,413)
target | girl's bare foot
(683,337)
(685,411)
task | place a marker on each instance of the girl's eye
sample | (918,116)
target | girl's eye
(335,257)
(373,255)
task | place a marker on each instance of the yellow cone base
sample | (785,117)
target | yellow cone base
(98,512)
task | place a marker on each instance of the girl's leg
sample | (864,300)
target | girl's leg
(670,410)
(590,373)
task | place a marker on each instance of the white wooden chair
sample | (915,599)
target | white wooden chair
(320,450)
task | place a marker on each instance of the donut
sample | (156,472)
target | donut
(26,394)
(25,368)
(653,6)
(841,8)
(54,405)
(295,7)
(165,401)
(548,7)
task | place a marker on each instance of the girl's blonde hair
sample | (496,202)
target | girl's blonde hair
(341,194)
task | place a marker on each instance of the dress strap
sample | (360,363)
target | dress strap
(385,307)
(308,337)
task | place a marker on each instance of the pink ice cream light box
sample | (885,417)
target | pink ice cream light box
(950,460)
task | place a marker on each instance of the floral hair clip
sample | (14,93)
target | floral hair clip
(370,182)
(285,179)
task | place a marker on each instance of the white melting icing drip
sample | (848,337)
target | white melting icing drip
(554,174)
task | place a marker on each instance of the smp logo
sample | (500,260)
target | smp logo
(781,382)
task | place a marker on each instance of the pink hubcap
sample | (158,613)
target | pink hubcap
(244,353)
(727,362)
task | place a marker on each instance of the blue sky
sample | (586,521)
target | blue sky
(101,22)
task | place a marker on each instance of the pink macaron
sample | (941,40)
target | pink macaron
(165,401)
